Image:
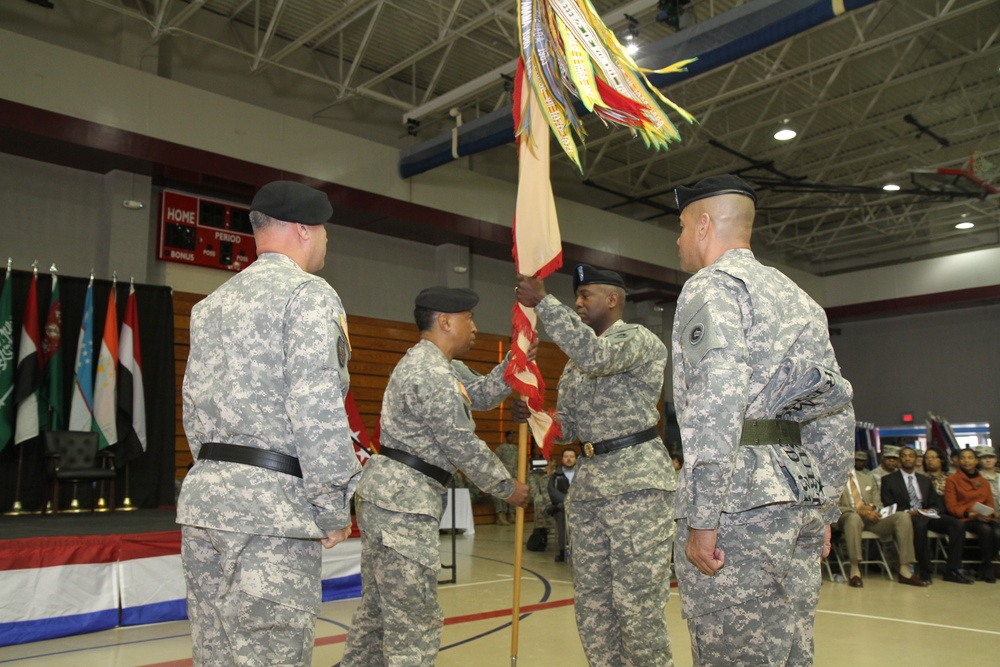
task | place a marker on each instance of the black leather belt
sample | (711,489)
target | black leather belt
(437,474)
(591,449)
(251,456)
(770,432)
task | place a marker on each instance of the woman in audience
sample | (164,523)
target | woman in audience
(936,467)
(967,495)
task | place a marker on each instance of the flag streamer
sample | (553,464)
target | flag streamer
(568,53)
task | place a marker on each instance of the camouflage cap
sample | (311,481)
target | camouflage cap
(713,186)
(861,456)
(447,299)
(985,451)
(290,201)
(890,452)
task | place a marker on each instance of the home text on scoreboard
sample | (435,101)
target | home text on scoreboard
(205,232)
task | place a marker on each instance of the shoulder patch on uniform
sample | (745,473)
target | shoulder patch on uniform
(696,334)
(341,352)
(700,336)
(623,333)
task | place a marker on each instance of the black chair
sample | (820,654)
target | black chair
(75,458)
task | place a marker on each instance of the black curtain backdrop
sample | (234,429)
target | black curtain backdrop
(151,475)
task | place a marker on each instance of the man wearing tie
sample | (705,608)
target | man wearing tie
(859,506)
(912,492)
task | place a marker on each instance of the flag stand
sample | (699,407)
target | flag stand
(17,509)
(522,466)
(127,505)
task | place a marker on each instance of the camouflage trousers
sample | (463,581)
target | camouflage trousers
(759,608)
(399,620)
(539,485)
(621,577)
(252,600)
(502,507)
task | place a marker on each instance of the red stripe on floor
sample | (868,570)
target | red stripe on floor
(454,620)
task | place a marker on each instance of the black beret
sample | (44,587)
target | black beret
(293,202)
(447,299)
(585,274)
(713,186)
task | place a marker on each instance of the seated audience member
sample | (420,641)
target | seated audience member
(962,492)
(920,461)
(861,460)
(559,484)
(890,464)
(913,492)
(936,467)
(859,506)
(988,469)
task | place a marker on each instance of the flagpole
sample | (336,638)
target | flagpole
(127,505)
(522,469)
(17,509)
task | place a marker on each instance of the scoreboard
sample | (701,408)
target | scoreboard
(205,232)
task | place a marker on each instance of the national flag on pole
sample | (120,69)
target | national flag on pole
(359,434)
(81,412)
(105,382)
(53,410)
(131,395)
(29,376)
(6,362)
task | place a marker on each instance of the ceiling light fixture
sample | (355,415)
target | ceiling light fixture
(890,187)
(965,225)
(785,133)
(632,35)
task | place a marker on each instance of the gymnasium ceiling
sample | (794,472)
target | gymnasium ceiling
(888,89)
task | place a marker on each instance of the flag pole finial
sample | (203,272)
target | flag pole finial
(53,269)
(34,267)
(10,263)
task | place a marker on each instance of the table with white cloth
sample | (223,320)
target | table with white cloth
(463,512)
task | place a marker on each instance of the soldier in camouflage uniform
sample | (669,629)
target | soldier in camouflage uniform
(768,432)
(427,431)
(507,453)
(620,507)
(264,416)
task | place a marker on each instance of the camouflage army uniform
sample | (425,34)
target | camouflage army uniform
(427,412)
(749,344)
(538,482)
(507,453)
(620,507)
(267,369)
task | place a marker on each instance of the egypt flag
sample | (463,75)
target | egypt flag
(29,375)
(131,395)
(537,250)
(105,382)
(359,434)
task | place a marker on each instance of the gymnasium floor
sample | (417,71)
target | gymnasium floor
(876,625)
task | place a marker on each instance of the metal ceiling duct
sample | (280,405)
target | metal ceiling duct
(715,42)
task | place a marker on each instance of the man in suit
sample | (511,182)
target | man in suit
(911,493)
(859,506)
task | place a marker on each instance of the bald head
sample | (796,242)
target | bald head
(712,226)
(732,216)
